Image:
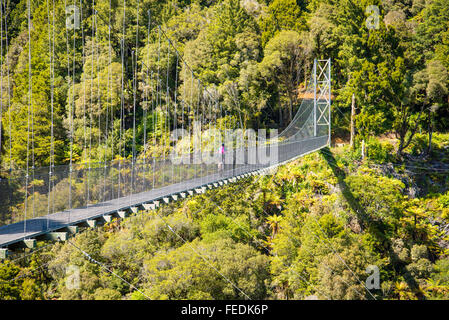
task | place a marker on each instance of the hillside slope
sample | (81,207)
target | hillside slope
(312,228)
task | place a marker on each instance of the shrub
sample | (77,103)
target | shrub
(378,151)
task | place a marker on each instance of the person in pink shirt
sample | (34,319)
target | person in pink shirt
(221,163)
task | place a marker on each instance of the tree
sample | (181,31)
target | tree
(281,15)
(431,92)
(242,265)
(284,56)
(9,286)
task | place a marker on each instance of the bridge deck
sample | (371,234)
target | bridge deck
(31,228)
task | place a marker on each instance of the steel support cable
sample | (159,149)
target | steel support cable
(72,109)
(109,87)
(267,215)
(184,97)
(1,80)
(167,102)
(147,84)
(51,57)
(269,252)
(292,123)
(106,127)
(135,56)
(121,117)
(122,100)
(326,266)
(32,121)
(173,92)
(175,117)
(297,115)
(199,121)
(93,44)
(27,272)
(177,51)
(434,170)
(98,53)
(31,253)
(70,113)
(5,16)
(284,132)
(145,118)
(304,126)
(151,79)
(167,109)
(180,56)
(85,148)
(190,114)
(348,284)
(98,164)
(158,84)
(28,117)
(52,106)
(158,105)
(133,146)
(298,131)
(207,261)
(90,259)
(442,170)
(341,259)
(154,123)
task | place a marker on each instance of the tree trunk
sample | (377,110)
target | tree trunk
(352,142)
(429,148)
(403,141)
(280,116)
(290,115)
(363,149)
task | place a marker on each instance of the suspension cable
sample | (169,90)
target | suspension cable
(122,103)
(51,57)
(84,86)
(1,80)
(28,118)
(145,117)
(32,127)
(208,262)
(109,84)
(92,54)
(134,82)
(89,258)
(5,16)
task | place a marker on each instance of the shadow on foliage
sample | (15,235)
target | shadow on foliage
(373,227)
(345,190)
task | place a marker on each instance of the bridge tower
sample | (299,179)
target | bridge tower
(322,97)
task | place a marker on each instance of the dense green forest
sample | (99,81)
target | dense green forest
(309,229)
(255,57)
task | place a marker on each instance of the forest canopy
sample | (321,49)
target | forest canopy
(255,57)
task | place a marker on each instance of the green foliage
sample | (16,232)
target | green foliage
(281,15)
(380,204)
(9,290)
(292,234)
(444,200)
(378,151)
(183,274)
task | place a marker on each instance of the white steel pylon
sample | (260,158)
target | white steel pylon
(322,95)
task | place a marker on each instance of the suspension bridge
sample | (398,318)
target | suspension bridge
(52,202)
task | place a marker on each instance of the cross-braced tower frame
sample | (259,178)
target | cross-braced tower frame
(322,97)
